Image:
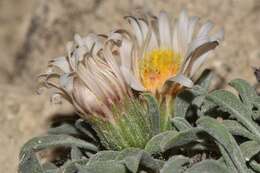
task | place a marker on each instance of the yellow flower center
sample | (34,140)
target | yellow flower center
(157,66)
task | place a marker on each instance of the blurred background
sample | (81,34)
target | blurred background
(34,31)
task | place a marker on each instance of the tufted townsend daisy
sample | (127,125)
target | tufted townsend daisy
(105,76)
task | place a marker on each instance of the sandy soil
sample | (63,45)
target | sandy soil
(32,32)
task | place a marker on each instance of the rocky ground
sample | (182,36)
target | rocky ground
(34,31)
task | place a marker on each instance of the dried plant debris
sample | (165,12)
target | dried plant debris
(257,73)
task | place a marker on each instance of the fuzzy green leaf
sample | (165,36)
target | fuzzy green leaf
(82,126)
(103,156)
(178,164)
(29,163)
(255,166)
(153,145)
(71,166)
(52,171)
(181,123)
(186,98)
(182,103)
(205,79)
(153,113)
(43,142)
(246,92)
(49,165)
(75,153)
(235,128)
(208,166)
(180,139)
(102,167)
(250,149)
(225,140)
(230,103)
(131,157)
(65,128)
(149,162)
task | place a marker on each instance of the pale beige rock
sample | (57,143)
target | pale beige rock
(32,32)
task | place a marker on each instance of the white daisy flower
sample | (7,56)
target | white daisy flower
(161,58)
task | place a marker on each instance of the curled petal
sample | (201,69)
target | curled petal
(144,28)
(61,63)
(204,30)
(66,81)
(125,53)
(137,29)
(78,40)
(69,47)
(197,57)
(89,102)
(131,80)
(198,62)
(219,36)
(182,80)
(197,42)
(114,36)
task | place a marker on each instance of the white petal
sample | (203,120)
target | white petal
(90,40)
(144,28)
(198,62)
(196,58)
(183,32)
(105,85)
(181,79)
(110,59)
(219,36)
(196,43)
(49,70)
(114,83)
(89,80)
(78,40)
(125,53)
(61,63)
(94,43)
(69,47)
(175,39)
(164,30)
(79,53)
(86,99)
(204,30)
(115,36)
(153,42)
(192,22)
(66,81)
(183,24)
(137,30)
(131,80)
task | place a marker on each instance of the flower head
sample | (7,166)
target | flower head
(158,57)
(88,77)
